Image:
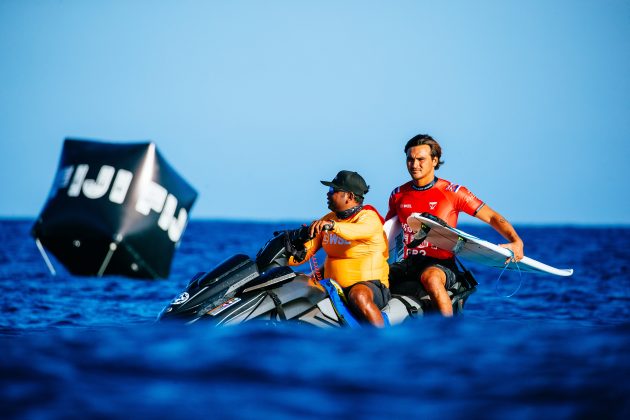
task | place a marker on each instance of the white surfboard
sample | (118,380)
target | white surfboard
(393,231)
(474,249)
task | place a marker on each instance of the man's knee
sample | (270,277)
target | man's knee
(361,295)
(433,278)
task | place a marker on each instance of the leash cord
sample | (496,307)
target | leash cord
(520,283)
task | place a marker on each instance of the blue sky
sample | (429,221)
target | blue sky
(254,102)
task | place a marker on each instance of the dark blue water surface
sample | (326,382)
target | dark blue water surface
(79,347)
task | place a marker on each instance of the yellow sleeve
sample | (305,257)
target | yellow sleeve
(366,225)
(312,247)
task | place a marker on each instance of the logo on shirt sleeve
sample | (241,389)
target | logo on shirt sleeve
(470,196)
(453,187)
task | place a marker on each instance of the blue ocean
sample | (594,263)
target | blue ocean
(87,347)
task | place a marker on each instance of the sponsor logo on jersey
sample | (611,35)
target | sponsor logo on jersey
(432,204)
(406,228)
(416,252)
(405,206)
(453,187)
(470,196)
(333,239)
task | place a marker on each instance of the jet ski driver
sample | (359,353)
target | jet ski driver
(356,247)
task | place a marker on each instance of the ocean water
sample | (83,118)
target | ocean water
(85,347)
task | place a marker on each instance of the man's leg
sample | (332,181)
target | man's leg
(434,280)
(363,299)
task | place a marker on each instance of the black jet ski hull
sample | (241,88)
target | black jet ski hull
(241,290)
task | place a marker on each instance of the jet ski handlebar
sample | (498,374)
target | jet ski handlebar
(292,240)
(295,240)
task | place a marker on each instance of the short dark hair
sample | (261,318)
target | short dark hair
(425,139)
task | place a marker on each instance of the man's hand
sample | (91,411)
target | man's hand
(318,225)
(506,230)
(517,250)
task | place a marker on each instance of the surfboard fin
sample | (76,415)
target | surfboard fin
(419,236)
(459,245)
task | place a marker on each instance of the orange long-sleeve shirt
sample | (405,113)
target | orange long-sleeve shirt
(356,249)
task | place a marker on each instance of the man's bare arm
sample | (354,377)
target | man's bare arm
(501,225)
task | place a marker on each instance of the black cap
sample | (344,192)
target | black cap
(349,181)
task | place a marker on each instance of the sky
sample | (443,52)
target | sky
(255,102)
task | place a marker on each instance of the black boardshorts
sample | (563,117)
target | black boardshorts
(379,290)
(404,276)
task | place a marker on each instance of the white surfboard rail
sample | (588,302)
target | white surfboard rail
(393,231)
(474,249)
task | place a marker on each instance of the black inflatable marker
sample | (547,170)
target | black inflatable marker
(114,208)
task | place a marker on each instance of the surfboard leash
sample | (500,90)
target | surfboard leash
(520,275)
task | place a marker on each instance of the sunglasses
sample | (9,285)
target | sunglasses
(332,190)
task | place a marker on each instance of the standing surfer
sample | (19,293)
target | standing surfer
(426,193)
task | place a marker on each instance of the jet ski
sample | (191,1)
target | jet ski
(242,289)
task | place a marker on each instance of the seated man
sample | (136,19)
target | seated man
(426,193)
(356,247)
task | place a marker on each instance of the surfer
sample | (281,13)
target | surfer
(356,246)
(426,193)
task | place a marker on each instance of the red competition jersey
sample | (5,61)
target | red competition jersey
(441,198)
